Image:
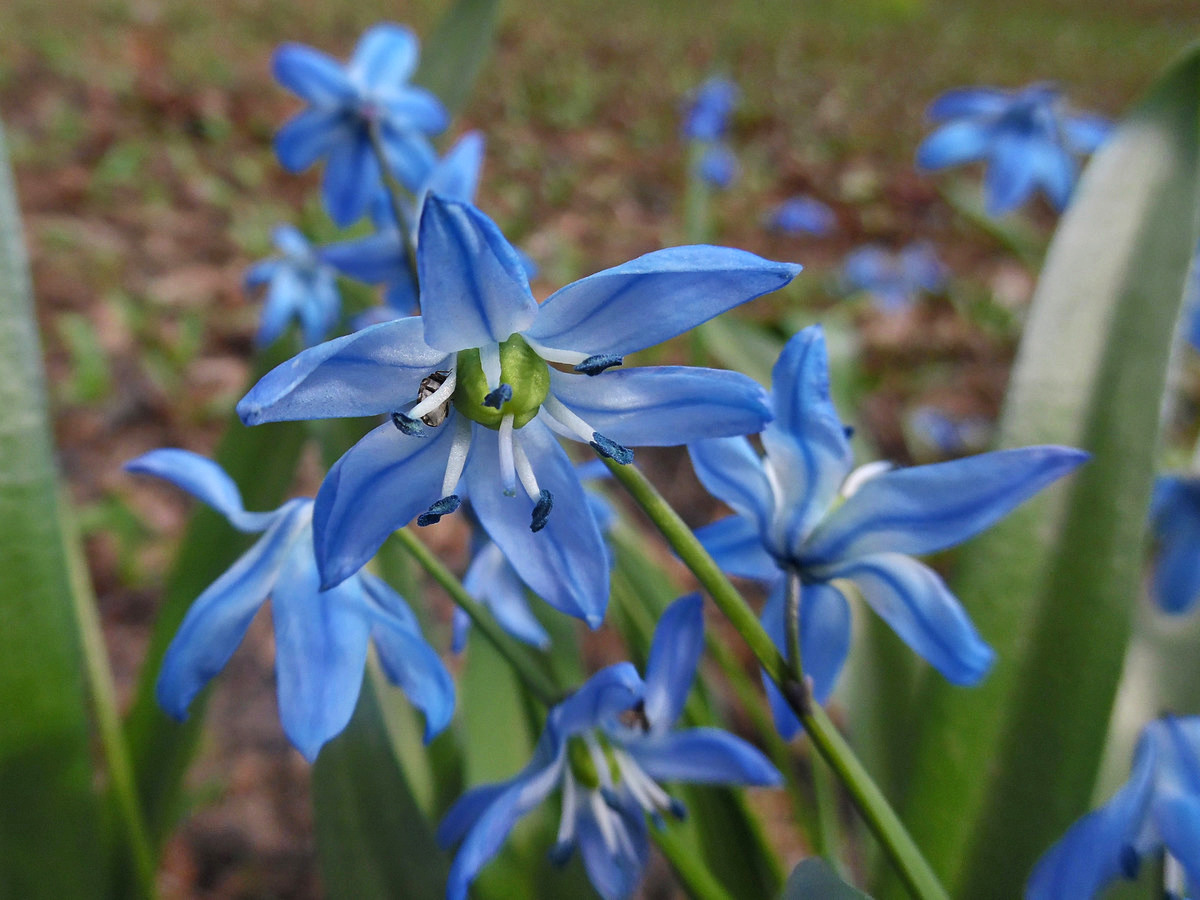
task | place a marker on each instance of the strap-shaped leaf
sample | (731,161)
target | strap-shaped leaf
(456,51)
(813,879)
(1000,771)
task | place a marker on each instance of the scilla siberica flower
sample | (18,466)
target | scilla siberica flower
(1175,524)
(474,398)
(707,115)
(893,280)
(606,747)
(1028,138)
(802,215)
(346,104)
(320,635)
(789,524)
(300,284)
(1157,808)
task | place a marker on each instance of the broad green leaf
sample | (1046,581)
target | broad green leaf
(813,879)
(52,836)
(1001,770)
(373,838)
(455,53)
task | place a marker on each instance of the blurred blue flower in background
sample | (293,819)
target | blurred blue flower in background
(933,431)
(1175,524)
(801,514)
(717,165)
(300,284)
(802,215)
(893,280)
(321,636)
(709,110)
(1157,808)
(606,748)
(1028,138)
(347,105)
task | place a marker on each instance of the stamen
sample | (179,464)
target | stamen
(436,399)
(508,472)
(594,365)
(525,472)
(603,818)
(1130,862)
(489,361)
(406,424)
(497,398)
(566,824)
(440,508)
(574,426)
(459,449)
(610,448)
(541,511)
(565,357)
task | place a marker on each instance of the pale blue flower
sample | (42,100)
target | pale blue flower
(1157,809)
(717,165)
(893,280)
(300,285)
(606,748)
(708,113)
(1028,138)
(1175,523)
(345,103)
(320,636)
(475,395)
(791,520)
(801,215)
(933,430)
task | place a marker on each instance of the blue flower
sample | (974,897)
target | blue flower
(707,116)
(300,285)
(802,215)
(1157,808)
(791,522)
(606,747)
(473,398)
(1175,523)
(717,166)
(1028,138)
(939,434)
(346,103)
(894,280)
(320,636)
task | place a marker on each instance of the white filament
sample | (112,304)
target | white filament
(508,474)
(436,399)
(458,455)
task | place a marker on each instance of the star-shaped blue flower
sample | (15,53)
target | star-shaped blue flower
(708,113)
(475,396)
(893,280)
(790,522)
(1175,523)
(300,285)
(320,636)
(1157,808)
(802,215)
(346,103)
(607,747)
(1028,138)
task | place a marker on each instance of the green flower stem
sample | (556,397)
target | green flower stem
(395,192)
(532,676)
(880,817)
(695,876)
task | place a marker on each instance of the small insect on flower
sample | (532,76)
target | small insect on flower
(429,387)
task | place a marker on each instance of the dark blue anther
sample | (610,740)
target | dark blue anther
(594,365)
(442,507)
(407,424)
(611,799)
(560,853)
(611,449)
(659,822)
(498,397)
(1130,862)
(848,430)
(541,511)
(678,810)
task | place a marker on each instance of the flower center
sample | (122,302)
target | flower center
(524,384)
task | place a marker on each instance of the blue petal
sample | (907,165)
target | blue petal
(1089,855)
(379,485)
(261,272)
(320,651)
(204,480)
(493,582)
(917,605)
(415,110)
(614,875)
(466,811)
(311,134)
(320,311)
(1178,819)
(456,176)
(664,406)
(565,563)
(929,508)
(866,269)
(717,165)
(735,543)
(977,101)
(654,297)
(1175,514)
(954,144)
(806,444)
(386,56)
(1055,171)
(473,288)
(802,215)
(406,657)
(285,296)
(217,621)
(371,372)
(674,655)
(597,703)
(1011,171)
(921,267)
(292,243)
(374,259)
(400,297)
(825,629)
(705,756)
(1085,133)
(312,75)
(351,179)
(786,722)
(410,156)
(731,470)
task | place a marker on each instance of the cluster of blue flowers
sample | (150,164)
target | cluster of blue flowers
(475,382)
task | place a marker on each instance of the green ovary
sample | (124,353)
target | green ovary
(520,368)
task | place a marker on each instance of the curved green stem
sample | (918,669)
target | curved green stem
(916,873)
(395,192)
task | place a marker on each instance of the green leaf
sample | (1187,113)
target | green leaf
(456,51)
(52,836)
(1000,771)
(373,838)
(813,879)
